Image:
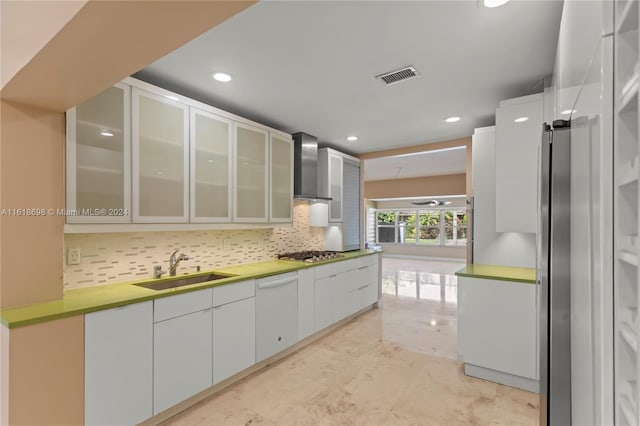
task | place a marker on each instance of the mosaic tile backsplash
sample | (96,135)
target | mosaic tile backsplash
(115,257)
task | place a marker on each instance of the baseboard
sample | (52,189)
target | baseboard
(502,378)
(430,258)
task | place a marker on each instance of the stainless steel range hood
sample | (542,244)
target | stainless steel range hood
(305,167)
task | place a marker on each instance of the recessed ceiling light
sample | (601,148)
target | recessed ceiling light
(433,323)
(159,172)
(221,76)
(568,111)
(452,119)
(494,3)
(106,133)
(173,98)
(352,138)
(520,119)
(209,161)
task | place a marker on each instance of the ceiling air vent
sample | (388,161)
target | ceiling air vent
(398,75)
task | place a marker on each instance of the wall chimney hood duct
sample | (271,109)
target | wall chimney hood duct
(305,167)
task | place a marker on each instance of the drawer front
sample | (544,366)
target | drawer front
(346,265)
(367,260)
(368,274)
(323,271)
(233,292)
(349,281)
(181,304)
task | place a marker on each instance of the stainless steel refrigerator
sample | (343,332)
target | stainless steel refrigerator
(554,275)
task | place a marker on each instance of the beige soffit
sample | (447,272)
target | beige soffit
(106,41)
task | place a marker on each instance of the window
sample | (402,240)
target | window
(433,227)
(429,228)
(406,227)
(386,228)
(456,228)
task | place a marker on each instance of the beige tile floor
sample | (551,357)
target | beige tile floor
(390,366)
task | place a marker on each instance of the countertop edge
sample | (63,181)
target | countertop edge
(498,278)
(500,273)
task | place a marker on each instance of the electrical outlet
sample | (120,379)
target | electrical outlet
(226,244)
(73,256)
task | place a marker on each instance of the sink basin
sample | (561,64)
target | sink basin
(179,282)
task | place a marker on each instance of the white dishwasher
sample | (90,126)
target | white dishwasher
(276,314)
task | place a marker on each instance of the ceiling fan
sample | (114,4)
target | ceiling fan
(431,203)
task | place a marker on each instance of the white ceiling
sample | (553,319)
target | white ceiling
(310,66)
(429,163)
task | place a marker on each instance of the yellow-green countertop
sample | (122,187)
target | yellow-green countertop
(494,272)
(84,300)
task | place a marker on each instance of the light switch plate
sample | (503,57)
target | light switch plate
(73,256)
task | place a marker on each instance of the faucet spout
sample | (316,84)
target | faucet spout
(175,260)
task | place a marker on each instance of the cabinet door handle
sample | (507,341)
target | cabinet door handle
(277,283)
(363,267)
(364,286)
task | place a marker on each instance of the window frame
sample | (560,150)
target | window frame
(442,236)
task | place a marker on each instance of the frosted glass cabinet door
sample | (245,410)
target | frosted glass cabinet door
(210,167)
(160,158)
(98,158)
(251,178)
(335,182)
(281,206)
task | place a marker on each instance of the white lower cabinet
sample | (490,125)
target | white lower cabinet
(118,365)
(344,288)
(323,306)
(497,329)
(306,303)
(182,348)
(234,338)
(144,358)
(276,314)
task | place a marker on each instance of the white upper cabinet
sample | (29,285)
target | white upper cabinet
(330,181)
(138,155)
(211,168)
(160,158)
(99,158)
(281,190)
(518,133)
(251,178)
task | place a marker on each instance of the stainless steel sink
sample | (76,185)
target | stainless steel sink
(179,282)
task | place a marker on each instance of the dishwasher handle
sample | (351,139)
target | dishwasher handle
(276,283)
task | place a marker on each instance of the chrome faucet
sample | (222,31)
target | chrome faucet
(174,260)
(157,271)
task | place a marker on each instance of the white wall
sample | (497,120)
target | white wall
(491,247)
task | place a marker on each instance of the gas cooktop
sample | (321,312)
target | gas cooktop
(310,256)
